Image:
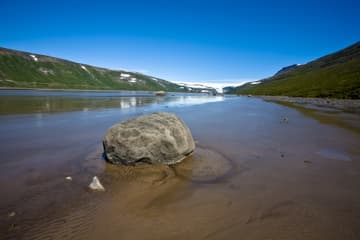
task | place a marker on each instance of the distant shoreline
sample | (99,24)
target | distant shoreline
(73,90)
(352,105)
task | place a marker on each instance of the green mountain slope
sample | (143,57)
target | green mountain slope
(336,76)
(28,70)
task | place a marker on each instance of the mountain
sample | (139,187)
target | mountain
(29,70)
(228,89)
(198,88)
(287,69)
(336,75)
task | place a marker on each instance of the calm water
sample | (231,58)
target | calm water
(285,179)
(30,102)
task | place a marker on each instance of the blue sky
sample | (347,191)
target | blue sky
(189,41)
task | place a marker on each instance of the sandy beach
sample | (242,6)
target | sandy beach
(253,175)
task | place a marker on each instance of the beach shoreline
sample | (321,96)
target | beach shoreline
(352,105)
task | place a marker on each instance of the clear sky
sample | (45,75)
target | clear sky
(190,41)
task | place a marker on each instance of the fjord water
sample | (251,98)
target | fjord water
(273,179)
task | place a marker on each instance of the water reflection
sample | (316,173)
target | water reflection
(20,103)
(128,103)
(39,119)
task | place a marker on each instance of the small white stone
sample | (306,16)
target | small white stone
(96,185)
(68,178)
(12,214)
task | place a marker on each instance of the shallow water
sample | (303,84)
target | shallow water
(252,176)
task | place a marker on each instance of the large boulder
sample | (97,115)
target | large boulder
(155,138)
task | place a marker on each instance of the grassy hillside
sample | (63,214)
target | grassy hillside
(335,76)
(28,70)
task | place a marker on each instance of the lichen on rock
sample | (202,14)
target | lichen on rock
(155,138)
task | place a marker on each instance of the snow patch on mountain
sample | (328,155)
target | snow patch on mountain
(218,86)
(254,83)
(133,80)
(34,57)
(125,75)
(85,69)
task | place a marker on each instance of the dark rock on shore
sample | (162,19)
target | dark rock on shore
(160,93)
(156,138)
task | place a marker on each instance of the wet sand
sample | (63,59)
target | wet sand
(252,176)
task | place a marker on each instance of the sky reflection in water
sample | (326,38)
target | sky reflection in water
(29,102)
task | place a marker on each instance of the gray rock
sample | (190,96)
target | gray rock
(155,138)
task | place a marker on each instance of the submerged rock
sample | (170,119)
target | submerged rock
(284,120)
(96,185)
(204,166)
(155,138)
